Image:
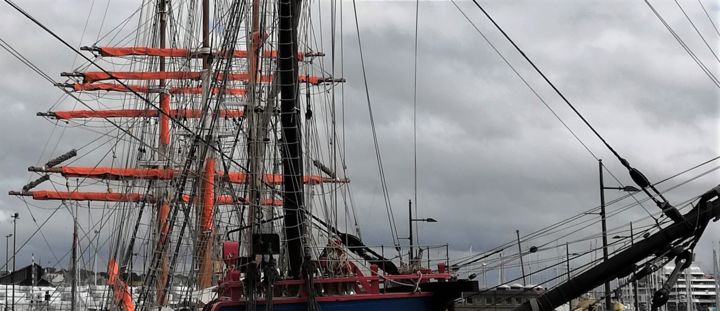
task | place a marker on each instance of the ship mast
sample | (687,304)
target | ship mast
(291,147)
(204,245)
(254,150)
(163,206)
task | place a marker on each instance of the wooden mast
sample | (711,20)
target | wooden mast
(205,242)
(253,151)
(163,206)
(291,147)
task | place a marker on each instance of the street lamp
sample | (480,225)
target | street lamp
(410,226)
(7,265)
(636,306)
(608,302)
(567,265)
(15,217)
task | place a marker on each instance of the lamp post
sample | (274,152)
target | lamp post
(483,275)
(7,265)
(636,306)
(567,265)
(608,302)
(410,227)
(15,217)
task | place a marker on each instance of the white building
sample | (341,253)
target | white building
(702,291)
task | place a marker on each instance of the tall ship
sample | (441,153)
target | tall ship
(220,163)
(224,168)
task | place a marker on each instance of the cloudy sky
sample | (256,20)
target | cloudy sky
(491,157)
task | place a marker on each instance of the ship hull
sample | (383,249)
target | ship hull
(419,302)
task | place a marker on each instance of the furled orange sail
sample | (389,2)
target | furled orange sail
(113,271)
(273,179)
(121,292)
(90,196)
(208,190)
(144,89)
(163,214)
(173,52)
(165,119)
(117,173)
(94,76)
(229,200)
(128,197)
(137,113)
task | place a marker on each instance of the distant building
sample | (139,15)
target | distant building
(27,276)
(702,291)
(502,298)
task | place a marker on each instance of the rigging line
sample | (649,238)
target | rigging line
(34,233)
(538,96)
(542,232)
(388,206)
(143,98)
(682,43)
(47,243)
(697,31)
(82,35)
(102,23)
(687,170)
(517,73)
(552,85)
(415,170)
(49,79)
(709,18)
(638,177)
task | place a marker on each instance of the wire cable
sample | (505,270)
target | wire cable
(383,182)
(682,43)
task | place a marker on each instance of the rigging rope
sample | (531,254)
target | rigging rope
(383,182)
(714,54)
(552,85)
(415,167)
(685,47)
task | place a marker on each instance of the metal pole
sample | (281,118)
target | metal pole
(608,302)
(483,276)
(635,286)
(717,279)
(12,276)
(411,232)
(7,266)
(688,290)
(522,264)
(73,288)
(567,265)
(501,275)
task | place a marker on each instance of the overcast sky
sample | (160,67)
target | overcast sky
(491,157)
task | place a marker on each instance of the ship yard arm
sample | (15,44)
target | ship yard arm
(675,241)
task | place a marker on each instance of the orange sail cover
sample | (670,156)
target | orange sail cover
(121,292)
(116,173)
(131,197)
(90,196)
(144,89)
(228,200)
(208,191)
(241,178)
(165,119)
(94,76)
(173,52)
(139,113)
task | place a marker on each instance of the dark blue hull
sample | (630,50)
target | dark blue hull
(382,304)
